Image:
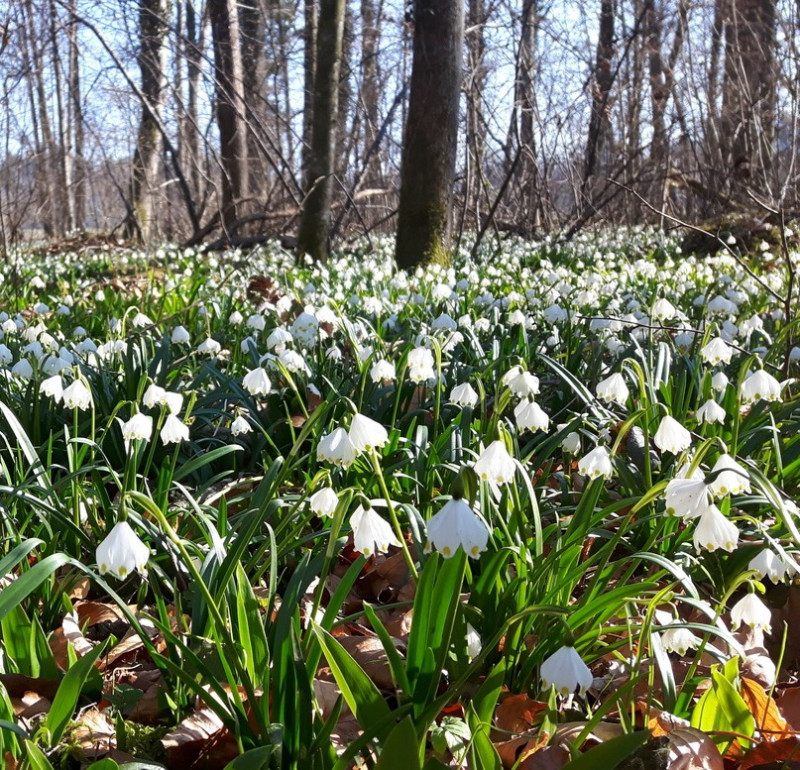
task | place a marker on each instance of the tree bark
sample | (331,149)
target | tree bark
(429,146)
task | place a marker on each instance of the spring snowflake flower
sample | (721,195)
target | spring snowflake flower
(139,427)
(324,501)
(209,347)
(457,525)
(256,322)
(463,395)
(711,412)
(122,552)
(613,389)
(23,369)
(474,643)
(596,463)
(770,565)
(571,443)
(365,434)
(337,448)
(664,310)
(77,396)
(733,479)
(530,416)
(153,396)
(566,671)
(294,362)
(495,464)
(180,336)
(751,611)
(240,426)
(53,387)
(421,365)
(6,356)
(760,385)
(383,371)
(687,497)
(717,351)
(714,531)
(671,436)
(679,640)
(522,384)
(719,382)
(174,430)
(371,533)
(256,382)
(140,321)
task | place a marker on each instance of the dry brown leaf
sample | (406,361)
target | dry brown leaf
(200,742)
(789,704)
(510,751)
(692,749)
(69,634)
(769,721)
(784,753)
(94,732)
(663,723)
(517,713)
(759,667)
(368,652)
(547,758)
(30,705)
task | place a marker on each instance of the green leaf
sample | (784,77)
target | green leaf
(722,710)
(401,749)
(104,764)
(37,759)
(17,554)
(255,759)
(15,593)
(609,753)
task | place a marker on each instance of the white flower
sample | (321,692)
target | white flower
(153,396)
(140,320)
(679,640)
(383,371)
(751,611)
(278,339)
(173,401)
(760,385)
(687,497)
(565,671)
(456,525)
(719,382)
(495,464)
(256,322)
(530,416)
(664,310)
(571,443)
(421,365)
(716,351)
(324,501)
(337,448)
(596,463)
(711,412)
(463,395)
(733,479)
(365,433)
(140,427)
(371,533)
(714,531)
(23,369)
(53,387)
(77,396)
(6,356)
(209,347)
(180,336)
(612,389)
(770,565)
(174,430)
(240,426)
(294,362)
(122,552)
(671,436)
(235,318)
(474,643)
(523,384)
(256,382)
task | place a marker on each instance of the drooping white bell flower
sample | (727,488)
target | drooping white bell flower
(77,396)
(714,530)
(421,365)
(751,611)
(613,389)
(717,351)
(760,385)
(122,552)
(566,671)
(495,464)
(530,416)
(383,371)
(371,533)
(256,382)
(209,347)
(474,643)
(240,426)
(337,448)
(365,433)
(671,436)
(139,427)
(711,412)
(457,525)
(22,369)
(687,498)
(153,396)
(53,387)
(174,430)
(679,640)
(596,463)
(571,443)
(464,395)
(719,382)
(664,310)
(180,336)
(523,384)
(733,479)
(324,501)
(770,565)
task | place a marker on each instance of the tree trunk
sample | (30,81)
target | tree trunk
(315,218)
(476,121)
(429,146)
(75,112)
(370,92)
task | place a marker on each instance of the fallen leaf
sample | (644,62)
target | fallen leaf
(692,749)
(789,704)
(200,742)
(517,713)
(368,652)
(547,758)
(780,752)
(94,732)
(769,721)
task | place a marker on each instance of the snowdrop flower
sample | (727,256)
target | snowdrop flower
(711,412)
(530,416)
(421,365)
(77,396)
(383,371)
(687,497)
(53,387)
(733,479)
(371,533)
(679,640)
(122,552)
(770,565)
(256,382)
(174,430)
(719,382)
(463,395)
(240,426)
(613,389)
(714,531)
(139,427)
(751,611)
(565,671)
(209,347)
(457,525)
(671,436)
(180,336)
(596,463)
(716,351)
(324,501)
(444,321)
(495,464)
(365,434)
(337,448)
(760,385)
